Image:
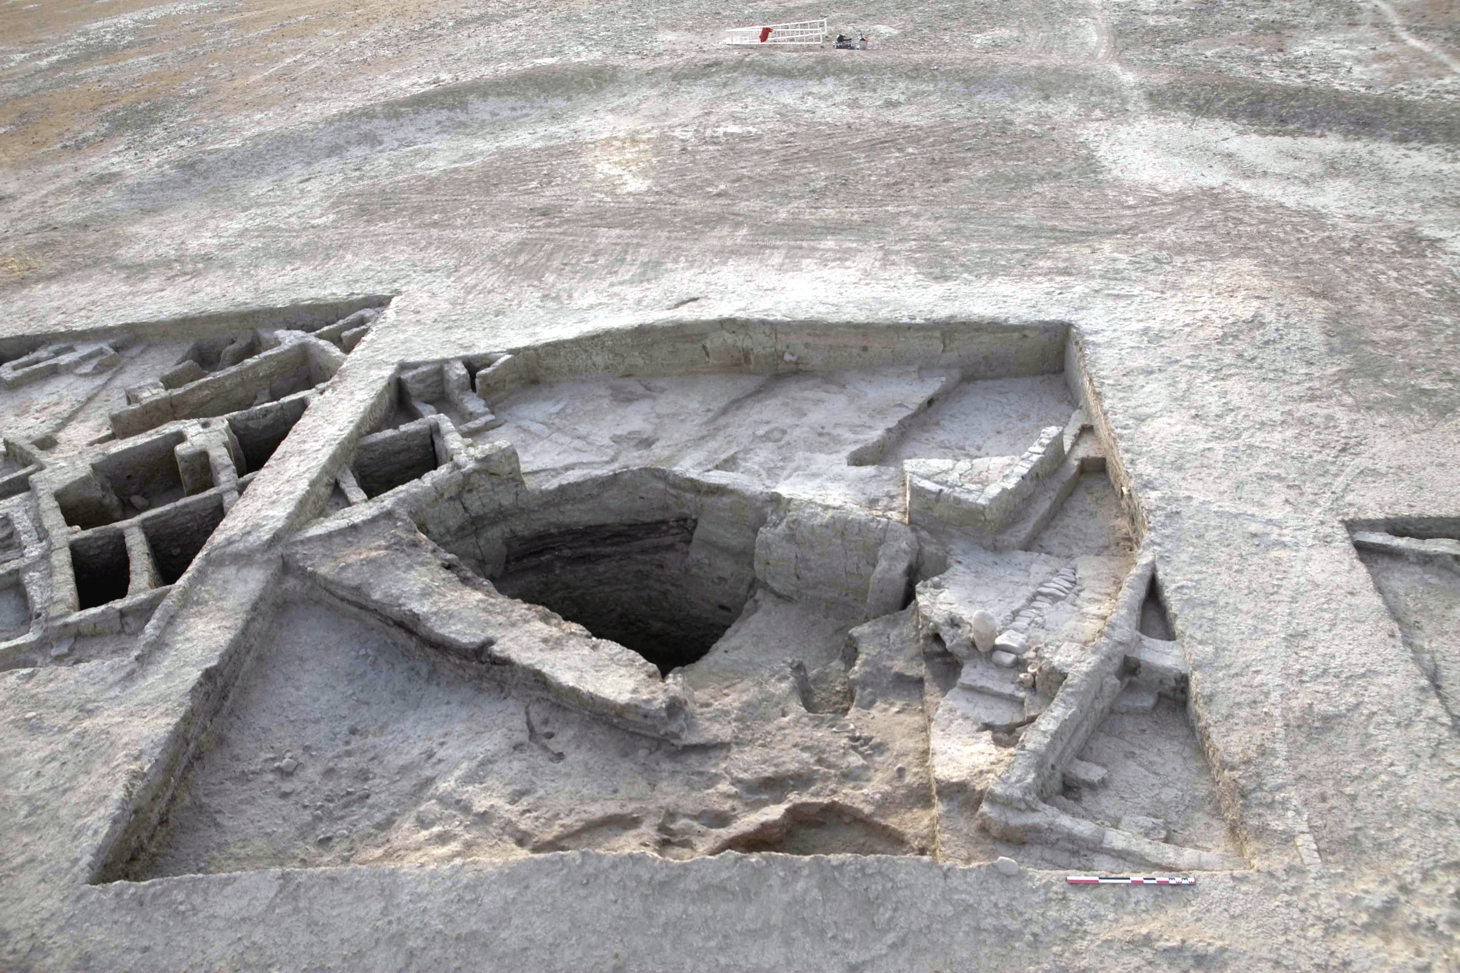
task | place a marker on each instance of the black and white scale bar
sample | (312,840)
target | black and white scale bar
(1131,880)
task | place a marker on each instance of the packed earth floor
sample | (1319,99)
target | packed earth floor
(532,486)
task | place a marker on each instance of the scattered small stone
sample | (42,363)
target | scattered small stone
(1002,659)
(324,838)
(287,766)
(32,715)
(1007,867)
(984,630)
(140,502)
(286,790)
(1026,679)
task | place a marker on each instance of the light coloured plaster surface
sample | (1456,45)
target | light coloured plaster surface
(1244,213)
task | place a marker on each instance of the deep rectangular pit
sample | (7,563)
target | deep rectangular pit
(88,502)
(102,569)
(260,431)
(386,460)
(14,609)
(1155,622)
(225,351)
(177,534)
(625,583)
(295,380)
(12,541)
(148,470)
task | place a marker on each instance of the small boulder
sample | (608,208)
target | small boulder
(1003,659)
(1012,642)
(1007,867)
(984,630)
(1082,773)
(140,502)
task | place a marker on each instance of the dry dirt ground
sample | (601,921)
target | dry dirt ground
(1248,215)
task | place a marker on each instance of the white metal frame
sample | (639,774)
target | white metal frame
(801,33)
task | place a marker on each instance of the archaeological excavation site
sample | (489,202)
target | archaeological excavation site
(612,488)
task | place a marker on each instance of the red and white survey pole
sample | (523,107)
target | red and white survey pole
(1131,880)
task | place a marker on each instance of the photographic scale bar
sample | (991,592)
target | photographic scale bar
(1131,880)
